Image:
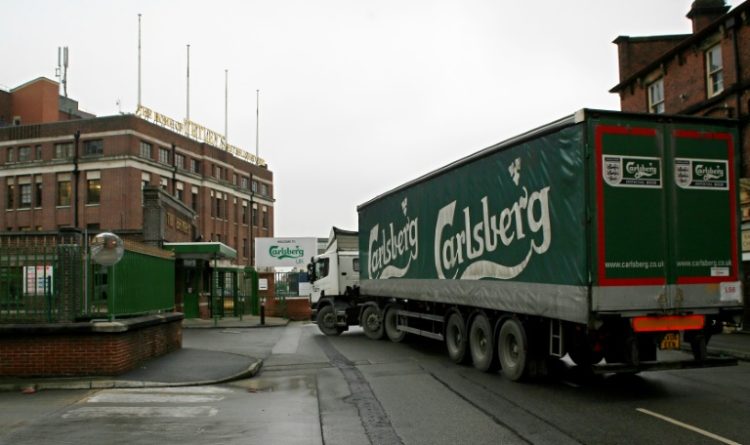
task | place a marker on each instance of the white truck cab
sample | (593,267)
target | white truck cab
(336,273)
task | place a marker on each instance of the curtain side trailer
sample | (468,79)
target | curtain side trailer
(607,236)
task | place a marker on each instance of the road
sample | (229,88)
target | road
(351,390)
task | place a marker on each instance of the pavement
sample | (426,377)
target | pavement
(192,367)
(183,367)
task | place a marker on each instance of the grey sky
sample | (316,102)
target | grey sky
(357,96)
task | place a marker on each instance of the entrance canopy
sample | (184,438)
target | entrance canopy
(201,251)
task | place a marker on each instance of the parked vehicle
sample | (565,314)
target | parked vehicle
(604,235)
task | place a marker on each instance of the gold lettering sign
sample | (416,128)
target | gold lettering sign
(746,240)
(198,133)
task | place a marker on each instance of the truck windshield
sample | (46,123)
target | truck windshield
(321,268)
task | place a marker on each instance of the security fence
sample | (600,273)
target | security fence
(48,278)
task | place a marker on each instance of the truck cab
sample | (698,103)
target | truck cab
(334,274)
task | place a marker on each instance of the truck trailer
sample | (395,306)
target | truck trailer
(606,236)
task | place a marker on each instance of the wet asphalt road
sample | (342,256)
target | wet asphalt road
(352,390)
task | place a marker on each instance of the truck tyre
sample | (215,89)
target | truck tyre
(512,350)
(326,320)
(391,323)
(372,322)
(456,338)
(482,344)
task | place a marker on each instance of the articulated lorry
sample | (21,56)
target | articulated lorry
(606,236)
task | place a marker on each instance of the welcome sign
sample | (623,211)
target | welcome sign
(284,252)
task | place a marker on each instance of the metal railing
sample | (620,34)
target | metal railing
(48,278)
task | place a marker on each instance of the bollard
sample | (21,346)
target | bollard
(263,313)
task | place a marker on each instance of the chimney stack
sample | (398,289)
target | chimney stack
(704,12)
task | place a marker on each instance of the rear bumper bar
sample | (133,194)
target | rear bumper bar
(710,362)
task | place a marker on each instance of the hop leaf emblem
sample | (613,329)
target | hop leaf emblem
(515,170)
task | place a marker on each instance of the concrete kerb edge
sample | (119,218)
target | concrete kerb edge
(251,371)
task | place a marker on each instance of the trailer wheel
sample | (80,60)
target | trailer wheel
(327,321)
(456,338)
(391,324)
(512,350)
(372,322)
(482,344)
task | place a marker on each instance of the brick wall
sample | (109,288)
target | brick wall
(48,354)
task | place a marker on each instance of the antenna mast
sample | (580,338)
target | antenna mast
(139,60)
(257,123)
(226,105)
(187,117)
(61,72)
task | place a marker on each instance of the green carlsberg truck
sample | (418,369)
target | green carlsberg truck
(606,236)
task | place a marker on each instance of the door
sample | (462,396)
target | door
(665,230)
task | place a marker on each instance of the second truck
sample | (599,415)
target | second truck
(605,236)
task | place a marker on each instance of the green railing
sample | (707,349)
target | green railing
(48,279)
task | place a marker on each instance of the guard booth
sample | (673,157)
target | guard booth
(208,286)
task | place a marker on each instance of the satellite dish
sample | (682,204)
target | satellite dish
(107,249)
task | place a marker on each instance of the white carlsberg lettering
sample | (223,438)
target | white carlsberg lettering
(708,173)
(529,214)
(638,170)
(390,246)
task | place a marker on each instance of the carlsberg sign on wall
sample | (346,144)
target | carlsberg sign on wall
(284,252)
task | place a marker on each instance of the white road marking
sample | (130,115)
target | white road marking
(125,397)
(289,341)
(141,411)
(176,390)
(688,427)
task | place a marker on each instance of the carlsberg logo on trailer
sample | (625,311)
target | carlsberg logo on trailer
(388,248)
(461,243)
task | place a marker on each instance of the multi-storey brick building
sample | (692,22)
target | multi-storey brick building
(705,73)
(60,167)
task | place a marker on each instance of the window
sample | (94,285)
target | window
(64,150)
(145,180)
(265,217)
(243,182)
(163,155)
(145,150)
(24,154)
(164,183)
(245,247)
(93,191)
(244,213)
(11,195)
(195,166)
(25,201)
(656,97)
(217,172)
(255,215)
(11,157)
(38,152)
(38,192)
(255,186)
(264,189)
(179,161)
(194,202)
(321,268)
(93,148)
(714,71)
(63,190)
(179,190)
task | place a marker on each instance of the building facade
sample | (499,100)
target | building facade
(704,73)
(61,168)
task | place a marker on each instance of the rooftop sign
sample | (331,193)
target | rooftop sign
(198,133)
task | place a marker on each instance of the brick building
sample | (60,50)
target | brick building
(61,167)
(704,73)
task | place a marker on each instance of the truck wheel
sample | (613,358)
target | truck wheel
(372,322)
(327,321)
(391,323)
(482,344)
(512,349)
(455,338)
